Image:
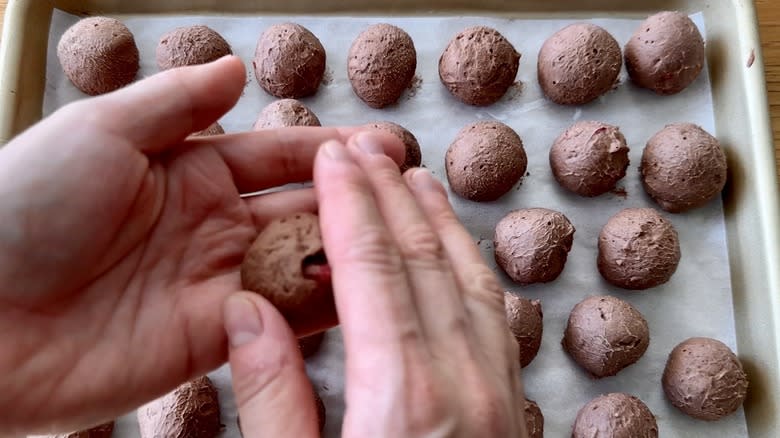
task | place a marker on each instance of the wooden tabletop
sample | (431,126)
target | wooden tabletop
(769,22)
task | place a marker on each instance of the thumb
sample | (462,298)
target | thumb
(272,391)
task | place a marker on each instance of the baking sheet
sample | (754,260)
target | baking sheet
(696,302)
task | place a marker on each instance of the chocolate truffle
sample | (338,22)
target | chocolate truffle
(704,379)
(531,245)
(192,410)
(615,415)
(190,45)
(413,151)
(683,167)
(605,334)
(102,431)
(589,158)
(287,265)
(285,113)
(478,66)
(666,53)
(289,61)
(534,420)
(578,64)
(214,129)
(485,161)
(525,322)
(638,249)
(382,62)
(310,345)
(99,55)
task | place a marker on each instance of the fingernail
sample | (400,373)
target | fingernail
(423,179)
(368,143)
(242,321)
(336,151)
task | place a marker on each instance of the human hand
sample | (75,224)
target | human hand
(428,350)
(120,240)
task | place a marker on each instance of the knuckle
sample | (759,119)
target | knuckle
(484,288)
(418,243)
(489,412)
(373,248)
(256,374)
(432,409)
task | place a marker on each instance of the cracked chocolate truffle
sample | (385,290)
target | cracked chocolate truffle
(605,334)
(478,66)
(615,415)
(285,113)
(532,244)
(638,249)
(666,53)
(485,161)
(287,265)
(589,158)
(98,55)
(382,62)
(214,129)
(413,151)
(534,420)
(683,167)
(525,322)
(310,345)
(191,410)
(289,61)
(578,64)
(190,45)
(704,379)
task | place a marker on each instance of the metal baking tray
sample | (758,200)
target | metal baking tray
(741,115)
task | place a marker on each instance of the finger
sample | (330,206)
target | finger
(269,378)
(164,109)
(265,208)
(261,160)
(434,288)
(482,293)
(373,297)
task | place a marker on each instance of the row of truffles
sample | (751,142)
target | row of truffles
(575,66)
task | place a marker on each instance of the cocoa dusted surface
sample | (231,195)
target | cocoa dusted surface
(285,113)
(190,45)
(526,324)
(534,420)
(191,410)
(289,61)
(615,415)
(412,147)
(214,129)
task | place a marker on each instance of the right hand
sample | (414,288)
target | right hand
(428,350)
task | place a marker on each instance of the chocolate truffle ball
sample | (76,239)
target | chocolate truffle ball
(485,161)
(638,249)
(191,410)
(683,167)
(289,61)
(589,158)
(478,66)
(605,334)
(525,322)
(214,129)
(413,151)
(531,245)
(578,64)
(615,415)
(190,45)
(99,55)
(704,379)
(287,265)
(285,113)
(105,430)
(534,420)
(310,345)
(666,53)
(381,65)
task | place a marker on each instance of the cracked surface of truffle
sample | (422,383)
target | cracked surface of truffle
(526,324)
(214,129)
(704,379)
(286,264)
(589,158)
(638,249)
(478,66)
(104,430)
(605,334)
(531,245)
(485,161)
(190,411)
(615,415)
(413,151)
(578,64)
(289,61)
(534,420)
(190,45)
(666,53)
(381,65)
(98,55)
(683,167)
(285,113)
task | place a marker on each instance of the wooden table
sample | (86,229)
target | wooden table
(769,20)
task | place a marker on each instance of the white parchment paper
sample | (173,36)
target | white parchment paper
(696,302)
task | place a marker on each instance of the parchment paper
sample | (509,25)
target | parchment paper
(696,302)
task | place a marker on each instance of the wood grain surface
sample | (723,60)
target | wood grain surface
(769,22)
